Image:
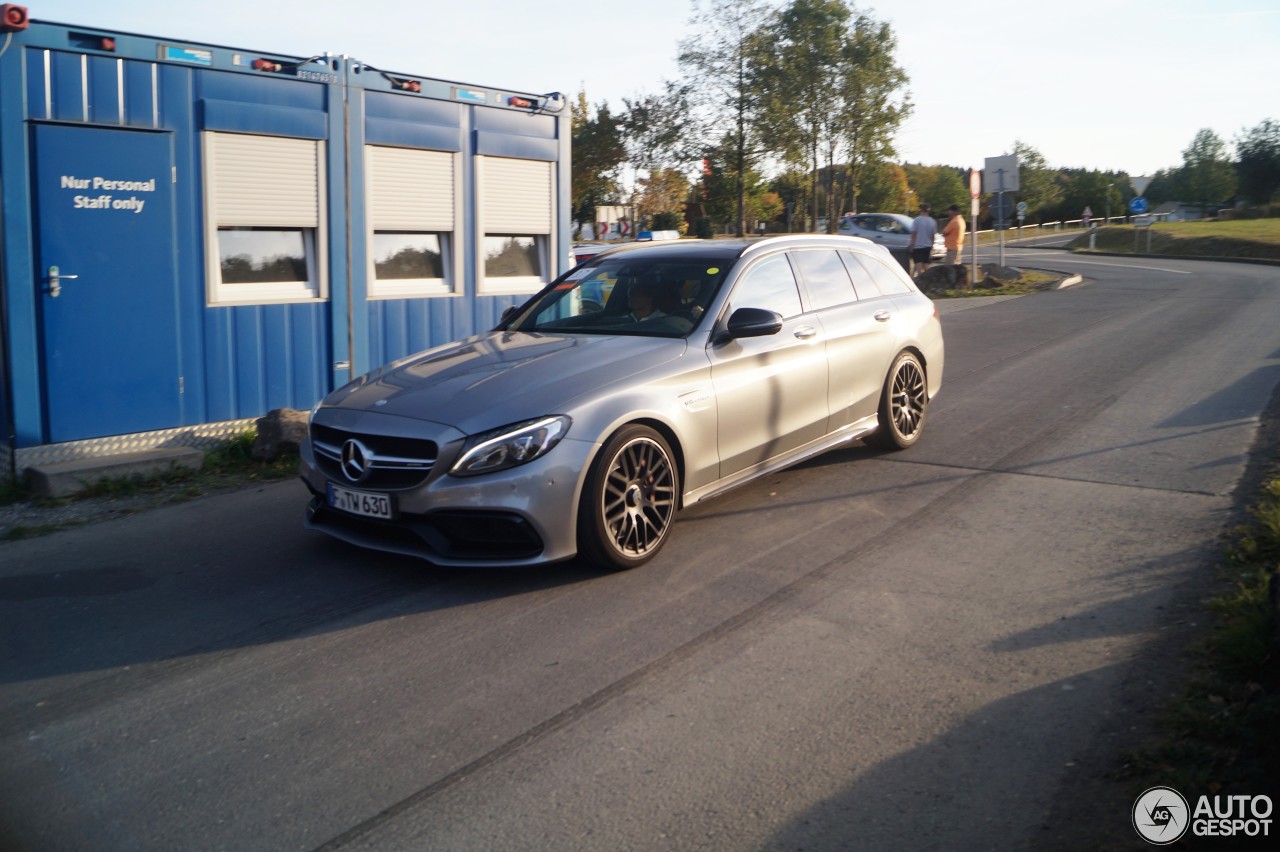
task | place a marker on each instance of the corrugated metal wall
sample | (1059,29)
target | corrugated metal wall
(240,360)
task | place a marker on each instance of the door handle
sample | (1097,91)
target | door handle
(882,316)
(55,279)
(805,332)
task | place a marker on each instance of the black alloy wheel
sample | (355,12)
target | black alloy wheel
(629,500)
(902,405)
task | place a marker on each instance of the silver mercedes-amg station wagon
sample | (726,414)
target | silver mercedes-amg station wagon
(651,377)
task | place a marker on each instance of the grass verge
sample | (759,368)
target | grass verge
(1256,239)
(1029,281)
(1218,738)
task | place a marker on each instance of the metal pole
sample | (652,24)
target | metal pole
(973,241)
(1000,184)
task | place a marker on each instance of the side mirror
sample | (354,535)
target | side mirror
(508,312)
(753,322)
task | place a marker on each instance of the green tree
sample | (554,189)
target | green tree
(800,81)
(725,191)
(883,187)
(598,154)
(1258,161)
(1081,188)
(1208,176)
(937,186)
(792,186)
(1038,184)
(662,191)
(766,206)
(1165,186)
(872,109)
(719,56)
(658,129)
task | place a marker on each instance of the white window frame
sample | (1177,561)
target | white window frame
(414,191)
(264,182)
(515,198)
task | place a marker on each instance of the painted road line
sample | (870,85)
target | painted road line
(1115,265)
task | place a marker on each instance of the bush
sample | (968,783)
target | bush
(702,228)
(667,221)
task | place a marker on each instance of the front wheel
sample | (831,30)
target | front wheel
(629,500)
(902,405)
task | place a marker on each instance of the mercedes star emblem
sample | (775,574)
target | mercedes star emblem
(355,460)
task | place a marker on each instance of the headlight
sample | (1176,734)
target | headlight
(510,446)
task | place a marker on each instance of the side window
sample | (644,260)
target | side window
(888,281)
(412,203)
(825,278)
(264,219)
(517,224)
(771,285)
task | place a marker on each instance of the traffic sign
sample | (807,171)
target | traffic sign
(1140,183)
(1001,174)
(1138,205)
(1022,208)
(975,183)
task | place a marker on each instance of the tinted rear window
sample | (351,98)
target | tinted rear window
(825,277)
(883,279)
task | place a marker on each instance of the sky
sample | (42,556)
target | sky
(1119,85)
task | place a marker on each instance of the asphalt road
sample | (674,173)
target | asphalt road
(872,651)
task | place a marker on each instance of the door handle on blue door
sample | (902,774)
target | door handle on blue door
(55,280)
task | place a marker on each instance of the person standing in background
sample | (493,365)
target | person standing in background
(953,235)
(920,245)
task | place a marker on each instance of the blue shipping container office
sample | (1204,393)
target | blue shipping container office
(193,235)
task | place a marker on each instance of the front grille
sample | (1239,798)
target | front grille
(389,463)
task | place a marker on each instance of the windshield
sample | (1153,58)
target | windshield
(626,294)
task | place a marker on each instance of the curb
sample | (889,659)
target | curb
(62,479)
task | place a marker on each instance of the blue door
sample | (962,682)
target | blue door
(109,305)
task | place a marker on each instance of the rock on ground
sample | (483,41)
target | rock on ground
(280,433)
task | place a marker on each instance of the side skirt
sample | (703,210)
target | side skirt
(853,431)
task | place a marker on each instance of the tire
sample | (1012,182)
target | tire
(629,501)
(903,403)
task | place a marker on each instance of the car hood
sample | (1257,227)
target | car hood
(497,378)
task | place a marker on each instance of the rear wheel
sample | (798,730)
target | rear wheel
(902,405)
(629,501)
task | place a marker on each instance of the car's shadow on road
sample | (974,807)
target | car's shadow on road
(158,590)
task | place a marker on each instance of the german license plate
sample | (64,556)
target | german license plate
(360,503)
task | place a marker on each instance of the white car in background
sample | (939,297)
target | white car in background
(891,230)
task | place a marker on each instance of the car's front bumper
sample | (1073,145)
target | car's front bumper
(523,516)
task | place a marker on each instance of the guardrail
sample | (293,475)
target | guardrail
(1026,232)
